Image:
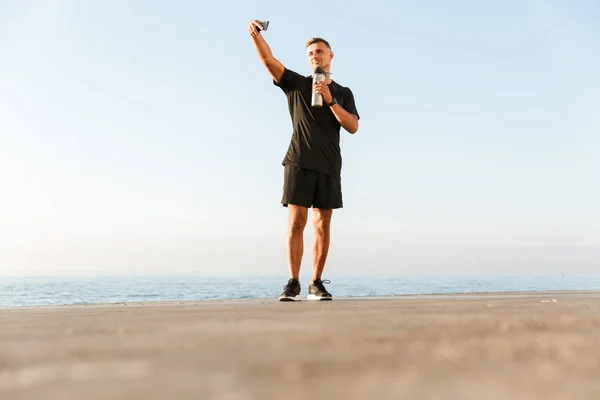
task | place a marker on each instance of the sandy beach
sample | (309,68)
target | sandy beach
(478,346)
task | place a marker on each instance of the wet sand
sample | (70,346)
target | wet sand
(488,346)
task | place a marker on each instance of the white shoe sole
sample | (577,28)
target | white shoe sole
(314,297)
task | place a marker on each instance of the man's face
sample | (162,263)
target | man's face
(319,55)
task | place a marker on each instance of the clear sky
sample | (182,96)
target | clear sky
(146,136)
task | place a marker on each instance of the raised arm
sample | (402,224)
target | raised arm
(273,65)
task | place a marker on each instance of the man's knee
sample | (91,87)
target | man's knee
(322,220)
(298,216)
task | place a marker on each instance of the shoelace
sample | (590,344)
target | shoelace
(320,284)
(290,284)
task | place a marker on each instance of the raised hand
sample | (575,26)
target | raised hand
(254,28)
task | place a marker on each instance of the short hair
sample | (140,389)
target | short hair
(318,40)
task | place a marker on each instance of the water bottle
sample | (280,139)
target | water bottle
(318,76)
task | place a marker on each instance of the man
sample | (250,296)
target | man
(313,162)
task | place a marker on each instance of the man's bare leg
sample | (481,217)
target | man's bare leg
(321,224)
(297,216)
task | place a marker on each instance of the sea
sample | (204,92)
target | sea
(20,291)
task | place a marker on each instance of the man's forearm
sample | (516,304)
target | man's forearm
(347,120)
(262,49)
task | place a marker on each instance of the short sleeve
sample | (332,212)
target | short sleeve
(349,104)
(290,80)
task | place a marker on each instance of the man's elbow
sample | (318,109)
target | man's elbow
(353,128)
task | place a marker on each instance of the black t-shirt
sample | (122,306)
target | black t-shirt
(315,142)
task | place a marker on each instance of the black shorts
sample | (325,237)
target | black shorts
(304,187)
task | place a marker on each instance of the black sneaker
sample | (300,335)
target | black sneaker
(317,291)
(291,291)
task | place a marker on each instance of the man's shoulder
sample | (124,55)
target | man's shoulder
(296,73)
(290,79)
(346,97)
(341,87)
